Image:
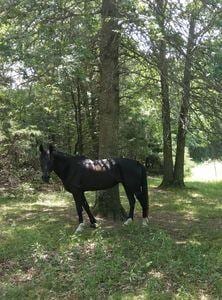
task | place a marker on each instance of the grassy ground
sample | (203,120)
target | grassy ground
(178,257)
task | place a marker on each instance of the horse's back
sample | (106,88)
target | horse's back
(92,175)
(100,174)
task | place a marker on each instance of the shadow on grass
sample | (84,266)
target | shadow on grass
(103,263)
(191,212)
(175,257)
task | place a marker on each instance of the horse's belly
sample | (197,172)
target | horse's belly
(98,182)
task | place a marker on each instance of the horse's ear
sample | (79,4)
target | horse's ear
(51,148)
(41,149)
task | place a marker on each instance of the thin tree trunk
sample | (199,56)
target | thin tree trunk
(79,114)
(94,104)
(166,120)
(91,114)
(184,110)
(108,201)
(76,100)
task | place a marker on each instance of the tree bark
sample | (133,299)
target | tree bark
(184,110)
(76,100)
(108,201)
(91,115)
(166,120)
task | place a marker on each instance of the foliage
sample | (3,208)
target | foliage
(50,80)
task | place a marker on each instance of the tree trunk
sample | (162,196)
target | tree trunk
(76,100)
(184,110)
(108,201)
(91,115)
(166,120)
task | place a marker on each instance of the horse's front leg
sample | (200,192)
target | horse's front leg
(78,201)
(88,211)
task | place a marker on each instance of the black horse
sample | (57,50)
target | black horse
(80,174)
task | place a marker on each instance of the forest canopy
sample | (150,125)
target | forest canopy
(169,80)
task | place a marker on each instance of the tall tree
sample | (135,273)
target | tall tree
(108,202)
(185,105)
(162,65)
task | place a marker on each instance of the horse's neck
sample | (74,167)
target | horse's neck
(59,165)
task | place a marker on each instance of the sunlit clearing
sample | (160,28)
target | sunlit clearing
(52,199)
(207,171)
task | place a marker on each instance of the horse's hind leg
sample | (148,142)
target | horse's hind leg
(144,205)
(88,211)
(132,201)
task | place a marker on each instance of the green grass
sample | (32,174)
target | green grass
(178,257)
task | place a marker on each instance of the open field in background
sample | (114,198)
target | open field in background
(178,257)
(207,171)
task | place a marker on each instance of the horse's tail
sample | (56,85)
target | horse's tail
(144,188)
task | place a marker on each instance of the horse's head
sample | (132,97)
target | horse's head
(46,162)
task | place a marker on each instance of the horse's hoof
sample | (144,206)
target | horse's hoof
(128,221)
(145,222)
(80,228)
(93,225)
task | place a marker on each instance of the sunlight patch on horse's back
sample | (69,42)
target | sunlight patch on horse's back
(99,165)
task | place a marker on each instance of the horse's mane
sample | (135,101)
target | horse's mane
(63,155)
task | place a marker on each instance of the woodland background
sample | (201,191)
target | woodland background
(133,78)
(130,78)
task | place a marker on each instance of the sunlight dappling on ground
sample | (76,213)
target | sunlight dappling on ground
(177,257)
(207,171)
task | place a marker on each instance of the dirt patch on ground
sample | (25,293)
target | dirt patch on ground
(182,226)
(174,223)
